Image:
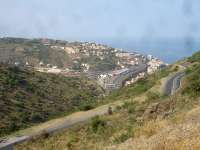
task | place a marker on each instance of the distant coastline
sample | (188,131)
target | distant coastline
(168,50)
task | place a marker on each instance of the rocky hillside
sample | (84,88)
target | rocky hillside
(149,120)
(28,97)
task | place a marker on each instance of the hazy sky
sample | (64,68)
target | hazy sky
(119,23)
(96,19)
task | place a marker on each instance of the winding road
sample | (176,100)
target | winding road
(173,83)
(57,125)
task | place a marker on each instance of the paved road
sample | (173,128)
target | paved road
(174,83)
(58,125)
(118,80)
(68,121)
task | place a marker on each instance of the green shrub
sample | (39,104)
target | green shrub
(151,96)
(126,105)
(12,126)
(36,117)
(195,57)
(118,108)
(97,124)
(24,116)
(176,68)
(122,138)
(86,107)
(192,87)
(131,109)
(72,138)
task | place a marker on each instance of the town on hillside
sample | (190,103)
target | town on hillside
(111,67)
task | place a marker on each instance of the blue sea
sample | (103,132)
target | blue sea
(168,50)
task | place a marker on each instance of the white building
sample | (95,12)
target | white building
(154,65)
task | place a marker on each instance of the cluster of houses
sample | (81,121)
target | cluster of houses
(94,46)
(129,59)
(154,64)
(125,60)
(133,80)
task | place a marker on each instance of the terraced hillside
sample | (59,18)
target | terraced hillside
(28,97)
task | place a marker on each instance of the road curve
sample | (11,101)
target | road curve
(173,83)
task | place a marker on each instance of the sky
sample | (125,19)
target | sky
(128,24)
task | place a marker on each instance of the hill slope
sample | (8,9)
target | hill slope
(154,122)
(28,97)
(58,53)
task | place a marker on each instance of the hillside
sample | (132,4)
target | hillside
(28,97)
(84,57)
(148,120)
(62,54)
(22,51)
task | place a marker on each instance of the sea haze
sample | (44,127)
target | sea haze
(169,50)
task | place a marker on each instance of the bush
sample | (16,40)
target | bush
(153,96)
(72,138)
(192,87)
(126,105)
(131,109)
(122,138)
(97,124)
(176,68)
(12,126)
(86,107)
(36,117)
(118,108)
(24,116)
(195,57)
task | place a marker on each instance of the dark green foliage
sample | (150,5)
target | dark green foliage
(24,116)
(86,107)
(130,107)
(12,126)
(32,97)
(108,63)
(36,117)
(97,124)
(151,96)
(193,81)
(195,57)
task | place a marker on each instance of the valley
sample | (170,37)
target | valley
(46,101)
(140,120)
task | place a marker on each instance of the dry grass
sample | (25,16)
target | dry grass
(120,126)
(165,135)
(150,128)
